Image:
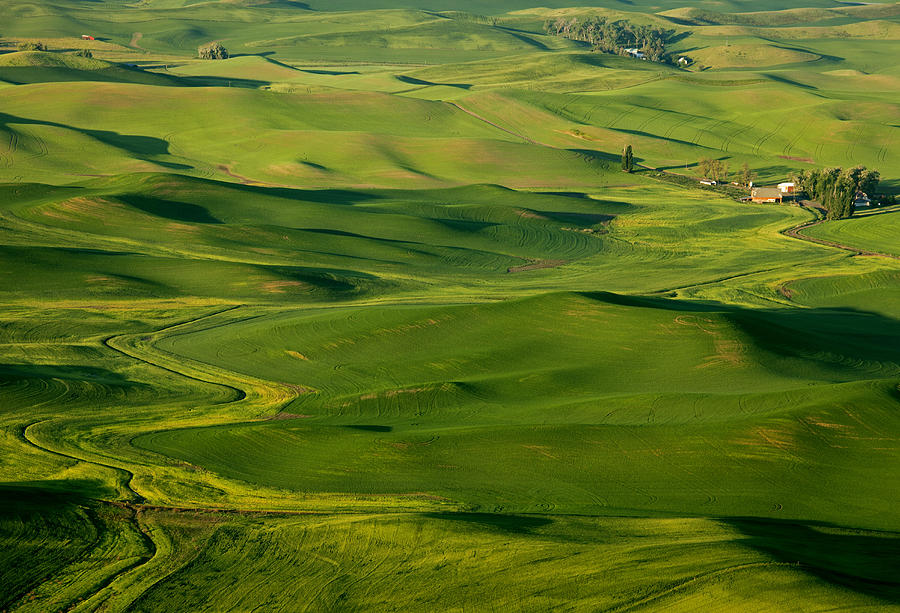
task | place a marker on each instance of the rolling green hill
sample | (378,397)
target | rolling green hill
(368,318)
(25,67)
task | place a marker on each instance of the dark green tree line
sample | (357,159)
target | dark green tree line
(613,36)
(835,188)
(32,46)
(714,170)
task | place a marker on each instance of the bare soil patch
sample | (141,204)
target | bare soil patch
(797,159)
(536,265)
(283,416)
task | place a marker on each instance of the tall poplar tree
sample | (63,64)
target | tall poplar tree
(627,159)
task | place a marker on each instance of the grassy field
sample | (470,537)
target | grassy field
(367,317)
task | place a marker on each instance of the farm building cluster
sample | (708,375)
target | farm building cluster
(788,192)
(779,193)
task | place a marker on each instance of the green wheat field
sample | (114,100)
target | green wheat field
(367,316)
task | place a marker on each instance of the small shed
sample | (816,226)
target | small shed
(766,194)
(787,188)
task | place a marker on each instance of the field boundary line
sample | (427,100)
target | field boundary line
(135,355)
(252,391)
(137,567)
(126,483)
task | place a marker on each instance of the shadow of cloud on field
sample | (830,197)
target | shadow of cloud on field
(176,211)
(516,524)
(330,73)
(140,147)
(320,196)
(122,73)
(593,155)
(587,219)
(652,302)
(369,428)
(19,372)
(525,37)
(331,282)
(863,561)
(29,496)
(786,81)
(839,339)
(829,337)
(414,81)
(208,81)
(44,527)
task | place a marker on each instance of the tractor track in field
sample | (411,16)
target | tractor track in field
(714,281)
(582,154)
(733,136)
(694,580)
(499,127)
(7,160)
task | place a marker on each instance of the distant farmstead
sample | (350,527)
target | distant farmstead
(861,199)
(767,194)
(87,37)
(636,53)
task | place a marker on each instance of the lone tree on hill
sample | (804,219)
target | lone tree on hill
(212,51)
(627,159)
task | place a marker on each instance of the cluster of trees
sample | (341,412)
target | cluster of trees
(84,53)
(717,170)
(613,36)
(212,51)
(835,188)
(34,46)
(745,176)
(714,170)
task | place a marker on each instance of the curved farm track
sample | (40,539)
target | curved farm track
(796,232)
